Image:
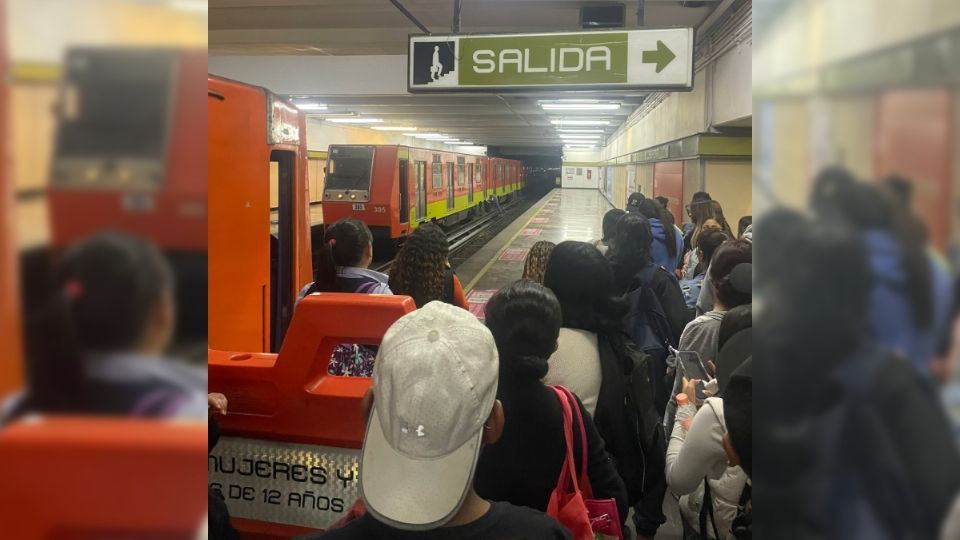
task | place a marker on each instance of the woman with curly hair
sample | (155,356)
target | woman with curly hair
(421,270)
(536,263)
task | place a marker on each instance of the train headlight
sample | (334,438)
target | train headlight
(339,195)
(353,196)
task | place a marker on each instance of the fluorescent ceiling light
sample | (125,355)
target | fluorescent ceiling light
(394,128)
(580,106)
(579,146)
(356,120)
(311,106)
(581,138)
(462,143)
(572,101)
(565,130)
(344,114)
(429,136)
(565,122)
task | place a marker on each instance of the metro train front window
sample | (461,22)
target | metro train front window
(115,106)
(349,168)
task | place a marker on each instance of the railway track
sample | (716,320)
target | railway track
(460,237)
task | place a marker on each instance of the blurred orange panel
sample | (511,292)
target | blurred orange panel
(914,138)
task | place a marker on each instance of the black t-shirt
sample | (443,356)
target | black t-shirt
(502,522)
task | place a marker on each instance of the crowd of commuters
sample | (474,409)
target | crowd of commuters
(582,370)
(603,320)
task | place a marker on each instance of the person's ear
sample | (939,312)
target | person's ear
(366,405)
(732,456)
(493,427)
(368,251)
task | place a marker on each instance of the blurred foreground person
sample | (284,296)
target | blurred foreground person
(98,345)
(911,294)
(430,411)
(855,446)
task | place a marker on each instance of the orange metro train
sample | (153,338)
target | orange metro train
(393,189)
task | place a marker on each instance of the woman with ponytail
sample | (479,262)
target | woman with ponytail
(343,259)
(523,466)
(97,345)
(342,266)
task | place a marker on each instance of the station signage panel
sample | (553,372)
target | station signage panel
(630,59)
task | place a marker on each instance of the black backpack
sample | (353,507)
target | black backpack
(626,416)
(646,323)
(855,485)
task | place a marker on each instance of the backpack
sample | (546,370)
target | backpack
(855,486)
(741,527)
(646,323)
(626,416)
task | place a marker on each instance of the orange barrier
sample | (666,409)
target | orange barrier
(287,460)
(85,478)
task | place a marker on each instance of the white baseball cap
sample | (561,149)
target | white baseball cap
(434,384)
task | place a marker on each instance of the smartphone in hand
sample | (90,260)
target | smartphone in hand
(692,367)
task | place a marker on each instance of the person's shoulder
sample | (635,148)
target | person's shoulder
(515,522)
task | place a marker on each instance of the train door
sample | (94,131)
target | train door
(421,189)
(282,164)
(482,181)
(404,193)
(450,186)
(470,172)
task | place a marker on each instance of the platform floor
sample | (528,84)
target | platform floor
(562,214)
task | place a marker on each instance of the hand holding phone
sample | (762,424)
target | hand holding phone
(691,367)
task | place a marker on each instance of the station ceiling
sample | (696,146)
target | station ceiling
(377,27)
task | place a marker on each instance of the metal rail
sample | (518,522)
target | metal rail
(461,236)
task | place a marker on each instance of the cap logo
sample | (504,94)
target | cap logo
(420,433)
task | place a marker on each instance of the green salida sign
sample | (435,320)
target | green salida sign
(523,60)
(661,58)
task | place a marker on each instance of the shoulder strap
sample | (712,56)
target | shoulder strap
(568,473)
(706,511)
(585,486)
(448,286)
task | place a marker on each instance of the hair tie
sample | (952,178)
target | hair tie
(73,289)
(332,242)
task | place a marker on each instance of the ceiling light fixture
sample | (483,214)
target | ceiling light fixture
(343,114)
(572,122)
(311,106)
(356,120)
(394,128)
(565,130)
(580,106)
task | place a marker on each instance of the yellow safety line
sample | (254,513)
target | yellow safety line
(496,257)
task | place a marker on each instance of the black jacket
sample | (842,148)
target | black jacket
(524,465)
(643,468)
